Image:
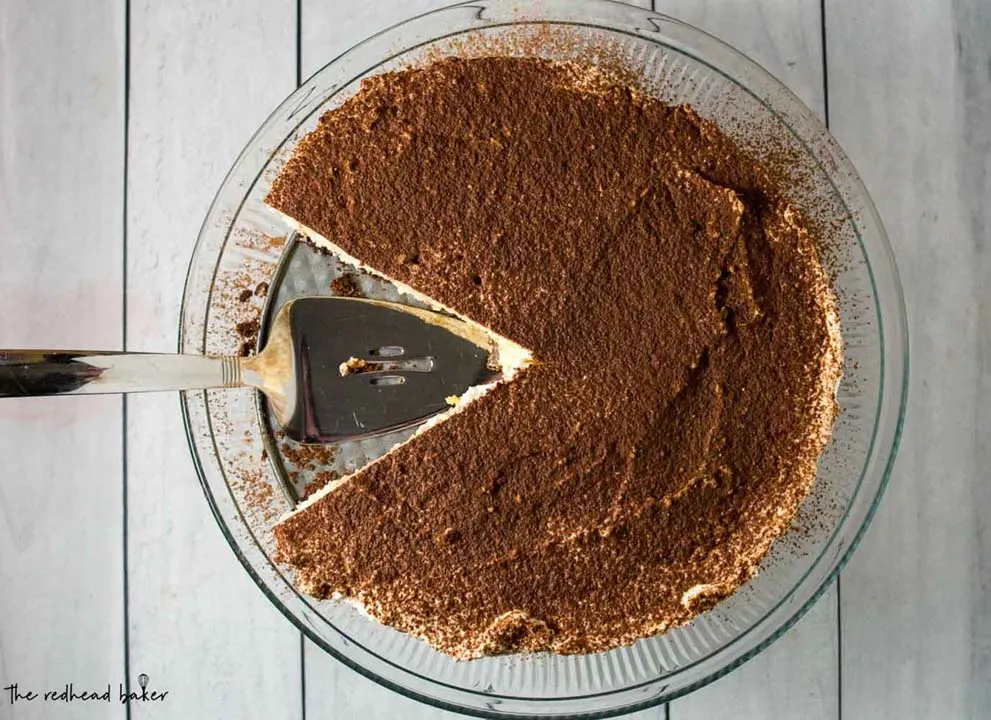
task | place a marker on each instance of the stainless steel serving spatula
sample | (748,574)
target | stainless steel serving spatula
(333,368)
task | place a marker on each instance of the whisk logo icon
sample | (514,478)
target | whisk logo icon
(145,695)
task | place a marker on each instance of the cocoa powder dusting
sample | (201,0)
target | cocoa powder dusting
(681,323)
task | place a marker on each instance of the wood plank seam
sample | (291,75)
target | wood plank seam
(839,576)
(123,344)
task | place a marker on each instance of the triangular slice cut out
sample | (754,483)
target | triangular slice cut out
(510,357)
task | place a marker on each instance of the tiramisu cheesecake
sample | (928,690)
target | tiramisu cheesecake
(678,355)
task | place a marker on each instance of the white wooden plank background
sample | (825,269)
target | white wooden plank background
(910,99)
(203,76)
(61,236)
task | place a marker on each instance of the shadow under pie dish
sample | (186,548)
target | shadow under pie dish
(623,438)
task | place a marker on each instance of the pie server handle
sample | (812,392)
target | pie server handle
(27,373)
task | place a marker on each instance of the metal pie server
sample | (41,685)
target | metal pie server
(333,368)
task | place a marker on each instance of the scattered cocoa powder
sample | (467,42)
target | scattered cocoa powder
(308,457)
(256,492)
(346,286)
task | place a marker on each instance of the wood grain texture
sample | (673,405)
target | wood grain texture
(203,77)
(797,677)
(61,199)
(331,28)
(784,36)
(910,99)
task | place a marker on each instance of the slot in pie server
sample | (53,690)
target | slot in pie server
(332,368)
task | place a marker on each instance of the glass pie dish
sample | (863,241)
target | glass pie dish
(247,262)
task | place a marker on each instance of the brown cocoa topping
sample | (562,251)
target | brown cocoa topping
(639,470)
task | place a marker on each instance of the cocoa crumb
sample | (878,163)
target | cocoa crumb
(248,328)
(346,286)
(353,366)
(248,331)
